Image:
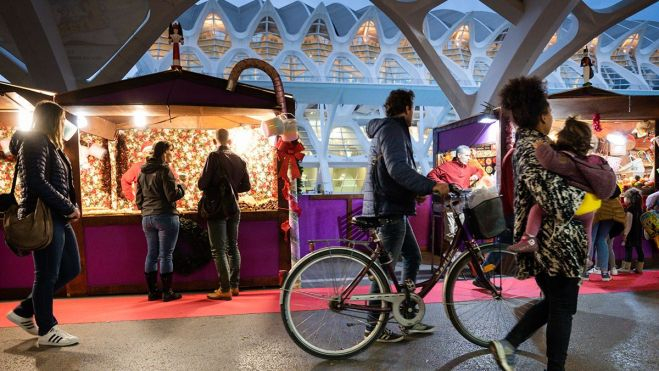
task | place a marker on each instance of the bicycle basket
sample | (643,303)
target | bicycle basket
(485,220)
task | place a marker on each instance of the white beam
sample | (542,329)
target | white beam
(523,44)
(41,47)
(511,10)
(409,17)
(591,24)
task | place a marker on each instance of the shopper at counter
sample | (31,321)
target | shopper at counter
(45,173)
(157,193)
(459,172)
(223,233)
(129,178)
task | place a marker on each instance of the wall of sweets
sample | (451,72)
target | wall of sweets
(102,162)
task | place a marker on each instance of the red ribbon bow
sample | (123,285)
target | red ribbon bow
(289,153)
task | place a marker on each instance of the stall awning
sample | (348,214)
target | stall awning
(174,99)
(586,101)
(14,97)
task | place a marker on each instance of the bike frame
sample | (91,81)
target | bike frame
(462,236)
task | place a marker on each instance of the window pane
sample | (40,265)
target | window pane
(343,142)
(650,75)
(391,72)
(191,62)
(304,138)
(250,74)
(613,79)
(480,70)
(348,180)
(625,54)
(316,115)
(457,47)
(161,46)
(266,40)
(406,50)
(496,44)
(344,71)
(309,179)
(214,39)
(317,44)
(292,69)
(571,77)
(365,45)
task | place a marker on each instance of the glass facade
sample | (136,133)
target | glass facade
(457,47)
(365,44)
(342,58)
(317,44)
(266,40)
(214,39)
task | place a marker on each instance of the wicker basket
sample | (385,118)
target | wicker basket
(486,219)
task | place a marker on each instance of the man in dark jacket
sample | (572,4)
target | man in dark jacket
(393,187)
(223,233)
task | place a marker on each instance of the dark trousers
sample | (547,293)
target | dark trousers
(555,310)
(223,236)
(639,252)
(54,267)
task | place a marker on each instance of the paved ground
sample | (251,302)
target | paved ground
(611,332)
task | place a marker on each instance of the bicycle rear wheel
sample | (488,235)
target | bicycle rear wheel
(478,313)
(308,303)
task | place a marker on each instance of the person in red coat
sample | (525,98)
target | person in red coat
(458,172)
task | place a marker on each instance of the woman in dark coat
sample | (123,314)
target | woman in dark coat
(45,173)
(156,196)
(562,241)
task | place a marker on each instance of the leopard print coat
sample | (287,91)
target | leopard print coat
(562,241)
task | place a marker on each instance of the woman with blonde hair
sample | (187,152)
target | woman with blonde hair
(45,173)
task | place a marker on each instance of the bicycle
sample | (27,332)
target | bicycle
(327,296)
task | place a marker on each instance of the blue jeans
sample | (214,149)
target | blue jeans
(54,267)
(223,237)
(398,240)
(600,242)
(161,233)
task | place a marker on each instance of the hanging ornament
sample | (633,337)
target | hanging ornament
(596,123)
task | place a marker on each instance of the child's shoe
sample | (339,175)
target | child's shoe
(526,245)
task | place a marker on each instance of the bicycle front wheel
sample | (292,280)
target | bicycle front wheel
(309,299)
(476,311)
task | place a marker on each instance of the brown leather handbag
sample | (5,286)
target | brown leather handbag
(33,232)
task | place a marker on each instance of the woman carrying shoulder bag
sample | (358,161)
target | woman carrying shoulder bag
(45,173)
(156,196)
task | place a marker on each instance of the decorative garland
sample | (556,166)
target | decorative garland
(193,250)
(122,162)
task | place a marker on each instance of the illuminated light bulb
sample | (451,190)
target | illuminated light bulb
(82,122)
(24,120)
(139,118)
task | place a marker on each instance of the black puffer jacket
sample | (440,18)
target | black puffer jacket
(44,172)
(392,182)
(157,191)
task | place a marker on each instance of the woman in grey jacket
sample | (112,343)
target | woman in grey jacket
(157,193)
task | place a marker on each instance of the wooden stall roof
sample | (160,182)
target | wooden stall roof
(11,96)
(584,102)
(172,99)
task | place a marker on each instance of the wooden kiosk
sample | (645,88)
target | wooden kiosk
(185,108)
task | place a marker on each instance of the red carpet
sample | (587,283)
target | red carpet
(133,308)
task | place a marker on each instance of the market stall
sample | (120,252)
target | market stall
(481,134)
(624,130)
(117,121)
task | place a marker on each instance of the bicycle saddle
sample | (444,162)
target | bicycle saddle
(366,222)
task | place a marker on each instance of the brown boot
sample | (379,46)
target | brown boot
(219,295)
(235,291)
(625,267)
(639,267)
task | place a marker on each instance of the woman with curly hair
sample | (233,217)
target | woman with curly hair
(562,243)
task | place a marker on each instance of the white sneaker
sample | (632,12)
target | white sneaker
(57,337)
(26,324)
(595,270)
(614,271)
